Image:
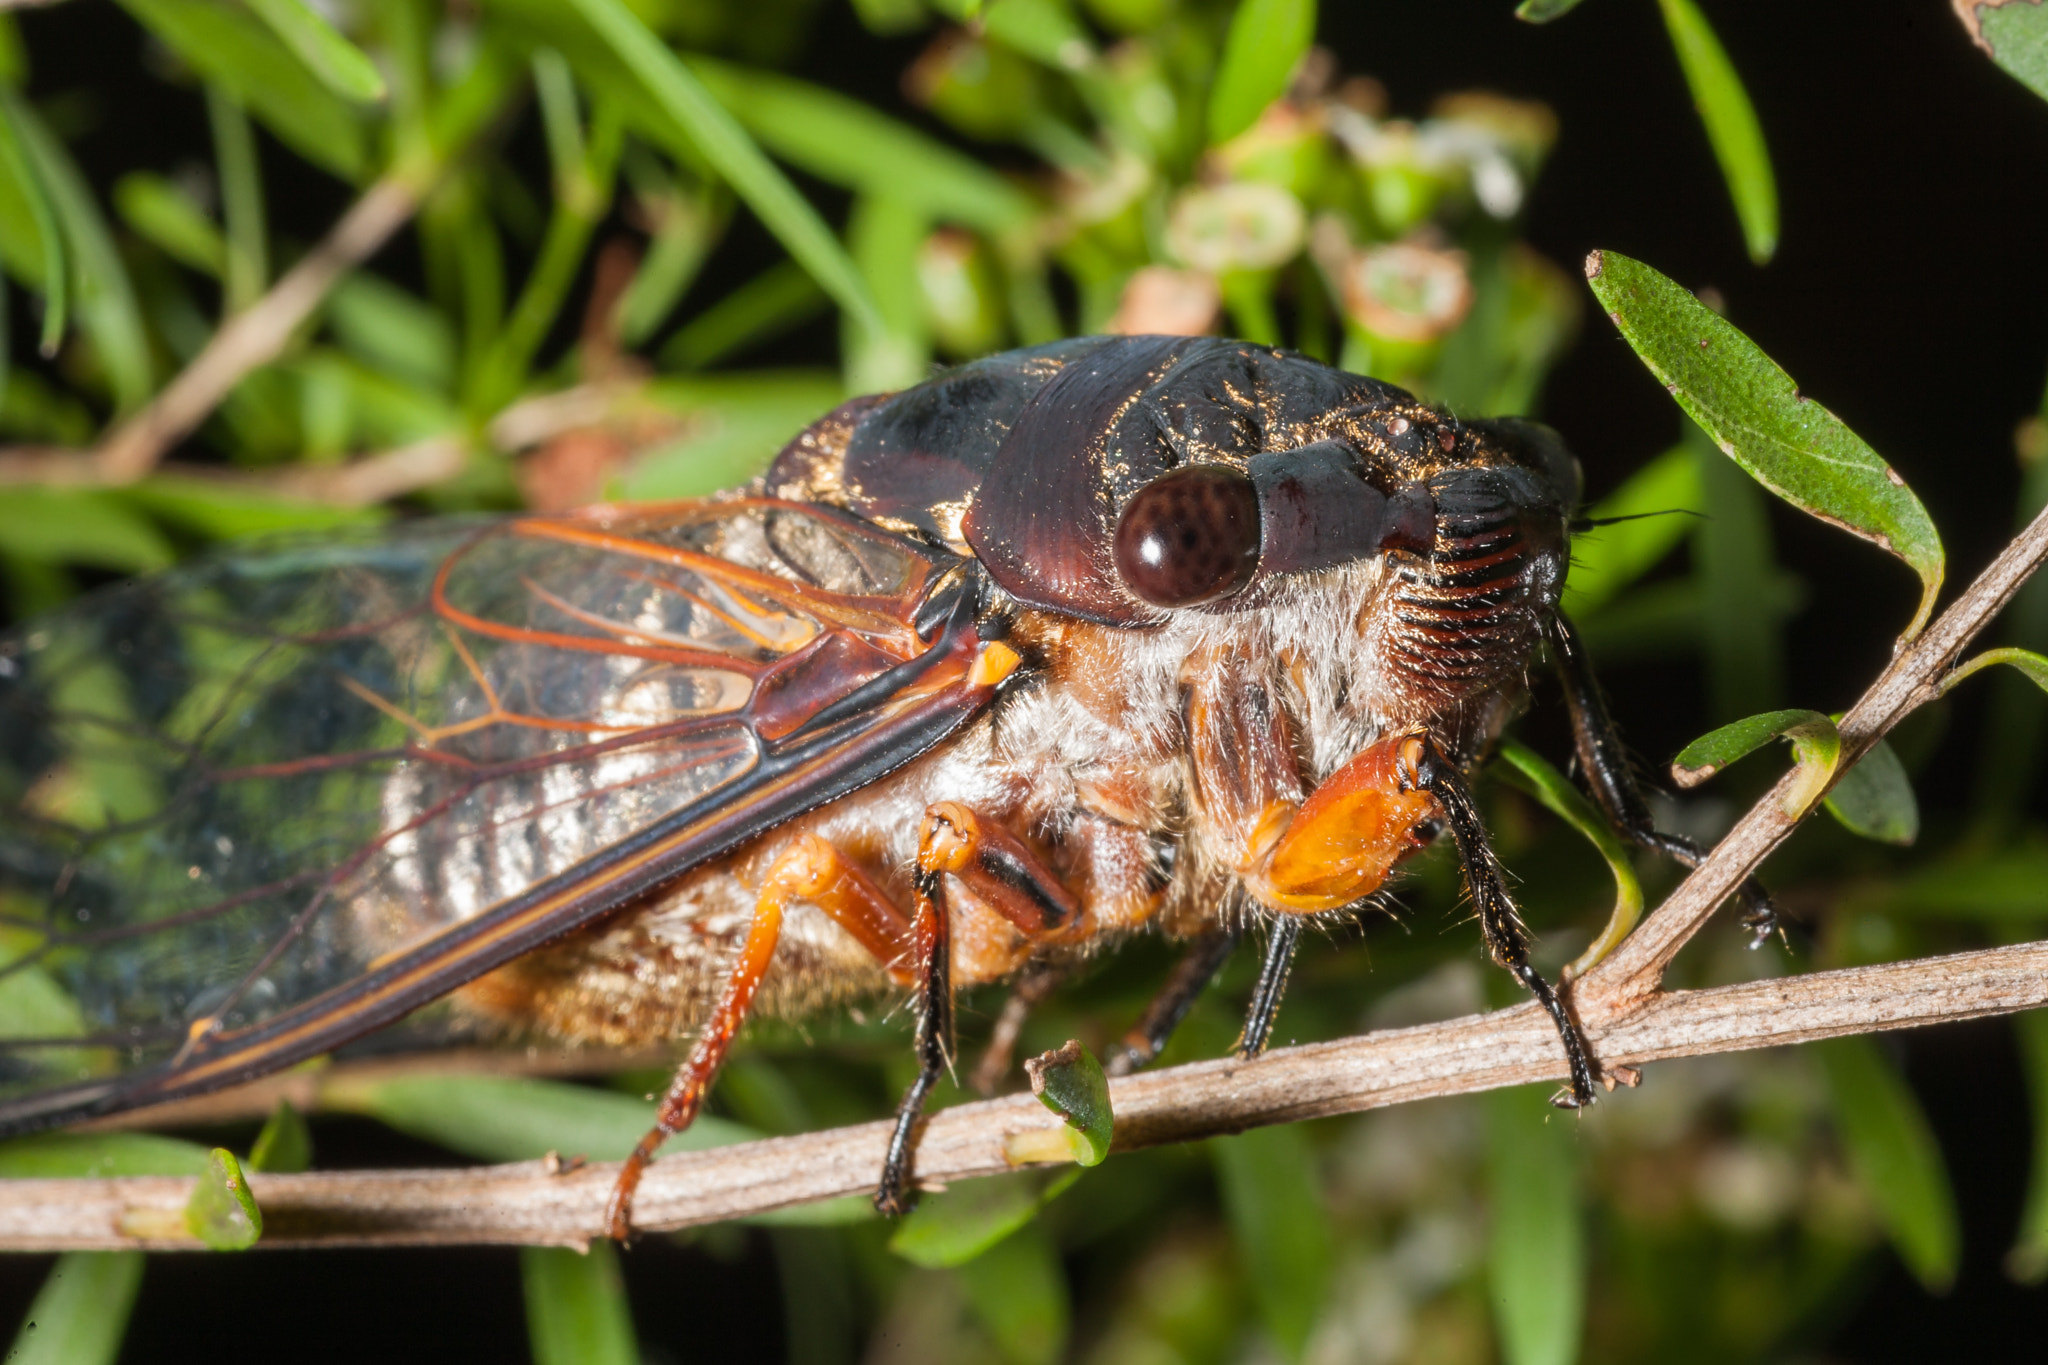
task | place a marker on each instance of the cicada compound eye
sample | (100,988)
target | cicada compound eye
(1189,537)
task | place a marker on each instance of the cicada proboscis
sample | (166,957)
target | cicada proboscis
(1066,644)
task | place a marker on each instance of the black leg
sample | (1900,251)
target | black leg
(1499,924)
(1258,1020)
(1605,763)
(934,1037)
(1191,975)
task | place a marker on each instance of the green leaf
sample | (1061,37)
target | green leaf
(100,291)
(163,214)
(1875,798)
(80,526)
(247,254)
(1607,559)
(576,1307)
(394,331)
(1733,563)
(726,145)
(2033,667)
(737,423)
(508,1118)
(2027,1262)
(1732,128)
(1267,40)
(1532,773)
(778,299)
(1536,1244)
(848,143)
(33,242)
(1045,30)
(1816,748)
(227,44)
(51,1156)
(1070,1082)
(884,235)
(341,66)
(1756,415)
(2015,33)
(221,1212)
(2004,887)
(285,1146)
(218,511)
(81,1313)
(1276,1212)
(1894,1156)
(1543,11)
(1018,1291)
(967,1218)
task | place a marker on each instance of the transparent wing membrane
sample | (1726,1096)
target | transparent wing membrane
(240,800)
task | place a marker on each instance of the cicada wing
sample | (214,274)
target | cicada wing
(255,808)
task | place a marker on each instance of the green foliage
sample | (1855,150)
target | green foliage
(1268,1182)
(1757,416)
(1875,798)
(1732,127)
(576,1309)
(2015,33)
(1536,1250)
(960,1224)
(1816,747)
(1895,1157)
(80,1314)
(1071,1084)
(1530,772)
(285,1145)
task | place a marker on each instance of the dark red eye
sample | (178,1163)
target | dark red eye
(1189,537)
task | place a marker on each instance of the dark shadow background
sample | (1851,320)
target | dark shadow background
(1908,296)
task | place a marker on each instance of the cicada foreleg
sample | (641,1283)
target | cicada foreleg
(958,849)
(809,870)
(1345,839)
(1605,762)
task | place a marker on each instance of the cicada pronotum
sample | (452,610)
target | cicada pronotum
(1063,645)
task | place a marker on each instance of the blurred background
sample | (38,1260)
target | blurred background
(572,267)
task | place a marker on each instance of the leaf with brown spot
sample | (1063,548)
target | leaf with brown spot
(2014,33)
(1757,416)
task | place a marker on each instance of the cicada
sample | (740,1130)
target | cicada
(1109,636)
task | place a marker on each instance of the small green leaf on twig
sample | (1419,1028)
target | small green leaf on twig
(1543,11)
(2034,666)
(2015,34)
(1895,1157)
(1732,127)
(959,1224)
(1757,416)
(221,1212)
(1530,772)
(1875,798)
(1816,748)
(285,1146)
(1069,1081)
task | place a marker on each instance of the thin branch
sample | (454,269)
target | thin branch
(1630,978)
(554,1203)
(258,333)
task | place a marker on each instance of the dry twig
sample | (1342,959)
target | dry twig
(536,1203)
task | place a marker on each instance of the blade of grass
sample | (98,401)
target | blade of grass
(2027,1262)
(726,145)
(884,235)
(55,277)
(1267,40)
(163,214)
(1732,127)
(576,1308)
(1536,1245)
(99,281)
(81,1313)
(1756,415)
(340,64)
(1895,1157)
(779,298)
(247,269)
(1270,1195)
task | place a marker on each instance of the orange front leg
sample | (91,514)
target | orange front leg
(1344,840)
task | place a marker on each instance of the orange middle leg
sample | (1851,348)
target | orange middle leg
(809,870)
